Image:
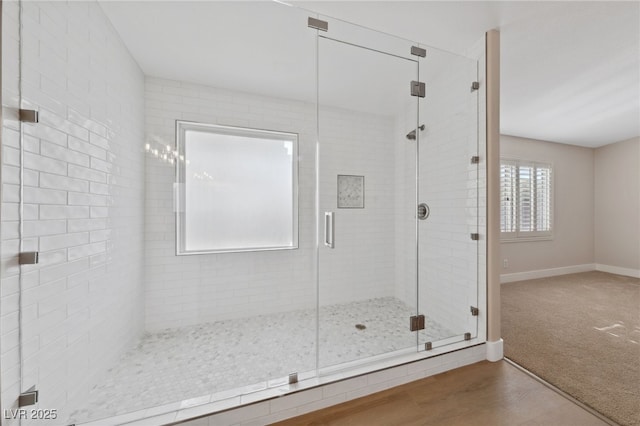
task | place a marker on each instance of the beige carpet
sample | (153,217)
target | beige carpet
(580,332)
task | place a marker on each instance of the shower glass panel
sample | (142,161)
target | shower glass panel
(448,182)
(113,321)
(367,187)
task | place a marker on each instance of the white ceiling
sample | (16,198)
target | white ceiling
(570,71)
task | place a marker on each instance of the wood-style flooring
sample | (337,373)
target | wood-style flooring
(480,394)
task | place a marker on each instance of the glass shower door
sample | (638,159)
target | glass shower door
(366,181)
(449,178)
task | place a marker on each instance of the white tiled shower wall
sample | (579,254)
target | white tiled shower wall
(192,289)
(405,208)
(449,185)
(361,265)
(83,201)
(182,290)
(9,284)
(448,275)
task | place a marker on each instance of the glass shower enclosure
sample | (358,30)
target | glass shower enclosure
(248,207)
(398,188)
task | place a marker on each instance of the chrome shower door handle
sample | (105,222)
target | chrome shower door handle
(328,229)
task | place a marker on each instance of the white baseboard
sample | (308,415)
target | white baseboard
(495,350)
(544,273)
(635,273)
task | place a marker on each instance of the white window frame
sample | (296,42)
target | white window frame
(179,189)
(517,235)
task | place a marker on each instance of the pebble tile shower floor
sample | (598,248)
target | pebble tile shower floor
(194,361)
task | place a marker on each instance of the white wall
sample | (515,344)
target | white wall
(617,206)
(573,220)
(596,210)
(82,305)
(203,288)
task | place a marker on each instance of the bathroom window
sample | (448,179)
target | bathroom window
(526,200)
(237,189)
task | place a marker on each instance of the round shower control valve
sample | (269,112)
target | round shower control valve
(423,211)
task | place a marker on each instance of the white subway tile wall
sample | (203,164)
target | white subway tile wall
(405,256)
(448,183)
(193,289)
(448,275)
(83,193)
(10,214)
(361,264)
(187,290)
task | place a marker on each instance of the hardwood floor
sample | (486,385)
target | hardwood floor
(480,394)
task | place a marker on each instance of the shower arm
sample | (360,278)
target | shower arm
(412,134)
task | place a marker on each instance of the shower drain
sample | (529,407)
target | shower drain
(361,326)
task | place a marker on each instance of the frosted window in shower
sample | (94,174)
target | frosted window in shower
(237,189)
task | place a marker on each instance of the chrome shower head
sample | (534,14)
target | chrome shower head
(412,134)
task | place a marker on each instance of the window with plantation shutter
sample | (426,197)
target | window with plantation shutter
(525,200)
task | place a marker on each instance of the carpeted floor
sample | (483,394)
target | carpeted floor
(580,332)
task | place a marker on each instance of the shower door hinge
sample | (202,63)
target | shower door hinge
(475,159)
(318,24)
(30,397)
(474,311)
(416,323)
(475,236)
(467,336)
(293,378)
(475,86)
(28,258)
(418,51)
(417,89)
(28,115)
